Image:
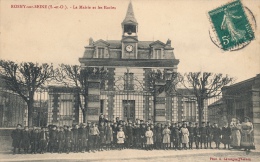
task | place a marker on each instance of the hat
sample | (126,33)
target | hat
(196,123)
(89,122)
(203,122)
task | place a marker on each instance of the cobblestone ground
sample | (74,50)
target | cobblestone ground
(203,155)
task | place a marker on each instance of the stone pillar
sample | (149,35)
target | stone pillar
(55,109)
(160,103)
(93,108)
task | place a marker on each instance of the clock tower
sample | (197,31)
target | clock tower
(129,35)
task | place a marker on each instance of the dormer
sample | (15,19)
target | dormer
(101,49)
(157,50)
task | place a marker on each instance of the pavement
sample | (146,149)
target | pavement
(194,155)
(140,155)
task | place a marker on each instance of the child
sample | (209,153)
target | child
(149,138)
(226,133)
(166,137)
(216,135)
(120,138)
(185,136)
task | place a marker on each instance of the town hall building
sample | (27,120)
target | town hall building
(127,92)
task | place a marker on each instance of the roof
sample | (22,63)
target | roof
(118,44)
(130,17)
(245,85)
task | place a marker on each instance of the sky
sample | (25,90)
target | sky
(60,35)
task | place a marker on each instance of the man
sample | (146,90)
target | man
(82,138)
(196,133)
(43,140)
(180,134)
(68,139)
(26,139)
(209,135)
(143,139)
(88,136)
(191,134)
(17,138)
(53,139)
(175,136)
(129,135)
(75,138)
(203,135)
(61,140)
(34,140)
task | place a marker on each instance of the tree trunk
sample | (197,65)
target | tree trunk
(201,108)
(30,113)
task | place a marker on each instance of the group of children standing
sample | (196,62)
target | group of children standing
(108,135)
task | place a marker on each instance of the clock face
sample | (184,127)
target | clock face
(129,48)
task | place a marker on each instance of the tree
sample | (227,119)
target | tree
(168,79)
(74,75)
(204,86)
(24,79)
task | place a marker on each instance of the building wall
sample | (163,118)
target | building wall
(12,109)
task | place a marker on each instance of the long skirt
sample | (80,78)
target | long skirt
(235,138)
(247,141)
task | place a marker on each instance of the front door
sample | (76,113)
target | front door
(240,114)
(129,109)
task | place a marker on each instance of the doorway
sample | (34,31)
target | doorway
(129,110)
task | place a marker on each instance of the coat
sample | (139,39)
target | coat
(109,134)
(25,139)
(185,135)
(158,134)
(102,137)
(216,135)
(166,135)
(226,133)
(149,137)
(120,137)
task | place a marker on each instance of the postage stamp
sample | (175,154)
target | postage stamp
(231,25)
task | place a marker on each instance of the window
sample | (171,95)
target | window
(158,54)
(129,81)
(101,52)
(189,111)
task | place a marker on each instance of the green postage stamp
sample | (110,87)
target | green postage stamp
(231,25)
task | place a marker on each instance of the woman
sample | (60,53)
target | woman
(247,135)
(235,135)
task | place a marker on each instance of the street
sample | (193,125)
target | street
(141,155)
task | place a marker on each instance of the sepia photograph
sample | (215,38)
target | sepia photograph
(130,80)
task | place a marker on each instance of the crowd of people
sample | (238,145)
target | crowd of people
(107,135)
